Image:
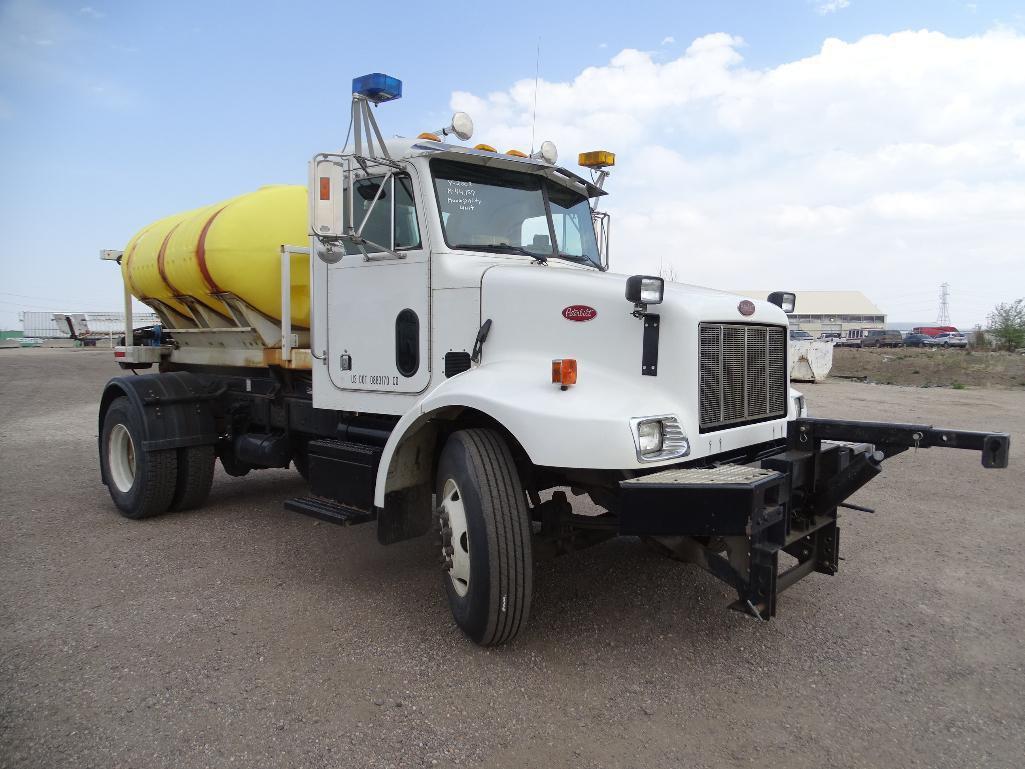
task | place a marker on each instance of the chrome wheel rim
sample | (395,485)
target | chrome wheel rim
(121,458)
(457,548)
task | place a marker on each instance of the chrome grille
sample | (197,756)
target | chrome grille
(743,374)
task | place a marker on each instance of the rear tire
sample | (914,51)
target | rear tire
(141,483)
(195,477)
(486,537)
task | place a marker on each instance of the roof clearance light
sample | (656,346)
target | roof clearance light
(548,153)
(429,136)
(377,88)
(597,159)
(485,148)
(516,153)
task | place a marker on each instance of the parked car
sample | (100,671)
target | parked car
(830,336)
(917,340)
(879,338)
(796,335)
(852,338)
(948,339)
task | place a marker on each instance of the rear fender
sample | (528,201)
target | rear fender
(177,408)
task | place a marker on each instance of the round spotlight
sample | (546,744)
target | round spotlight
(548,153)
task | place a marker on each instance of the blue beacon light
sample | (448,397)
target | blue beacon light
(377,88)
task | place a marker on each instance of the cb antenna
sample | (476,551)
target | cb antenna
(537,76)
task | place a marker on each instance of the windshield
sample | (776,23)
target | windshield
(501,211)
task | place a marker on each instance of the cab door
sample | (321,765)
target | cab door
(378,298)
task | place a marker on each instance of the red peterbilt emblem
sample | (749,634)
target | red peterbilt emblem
(579,312)
(746,307)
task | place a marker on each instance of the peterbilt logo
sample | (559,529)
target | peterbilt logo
(579,312)
(746,307)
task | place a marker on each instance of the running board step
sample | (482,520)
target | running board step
(329,511)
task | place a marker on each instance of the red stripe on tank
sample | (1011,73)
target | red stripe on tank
(201,255)
(128,271)
(161,254)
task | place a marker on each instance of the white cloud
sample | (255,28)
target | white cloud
(91,12)
(831,6)
(668,40)
(889,164)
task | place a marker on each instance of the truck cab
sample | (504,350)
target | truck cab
(451,351)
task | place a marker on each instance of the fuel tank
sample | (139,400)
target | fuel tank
(229,247)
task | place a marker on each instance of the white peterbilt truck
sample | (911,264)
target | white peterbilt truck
(431,335)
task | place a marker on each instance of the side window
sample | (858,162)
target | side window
(567,230)
(534,235)
(393,204)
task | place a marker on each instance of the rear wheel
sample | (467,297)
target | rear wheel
(486,536)
(141,483)
(195,477)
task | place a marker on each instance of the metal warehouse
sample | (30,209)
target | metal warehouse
(821,311)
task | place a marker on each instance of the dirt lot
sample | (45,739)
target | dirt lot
(245,635)
(927,367)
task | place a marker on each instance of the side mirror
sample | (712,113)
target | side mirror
(602,221)
(327,197)
(785,300)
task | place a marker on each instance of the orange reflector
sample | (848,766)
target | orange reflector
(325,188)
(564,372)
(516,153)
(429,136)
(485,148)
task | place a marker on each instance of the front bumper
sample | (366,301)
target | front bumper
(735,520)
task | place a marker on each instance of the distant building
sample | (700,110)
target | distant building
(830,311)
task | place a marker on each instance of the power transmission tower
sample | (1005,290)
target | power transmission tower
(943,319)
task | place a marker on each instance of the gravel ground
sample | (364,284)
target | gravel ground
(246,635)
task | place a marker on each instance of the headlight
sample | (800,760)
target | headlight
(658,438)
(649,437)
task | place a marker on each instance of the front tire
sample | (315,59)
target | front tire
(141,483)
(486,536)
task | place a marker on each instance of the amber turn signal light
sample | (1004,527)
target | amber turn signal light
(564,372)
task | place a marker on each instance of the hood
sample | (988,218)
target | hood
(541,313)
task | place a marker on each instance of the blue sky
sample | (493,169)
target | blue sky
(113,114)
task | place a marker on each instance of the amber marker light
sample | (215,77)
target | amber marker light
(597,159)
(325,188)
(485,148)
(429,136)
(564,372)
(516,153)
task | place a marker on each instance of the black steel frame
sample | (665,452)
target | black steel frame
(737,532)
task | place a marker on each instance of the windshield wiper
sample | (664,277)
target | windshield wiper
(502,248)
(578,258)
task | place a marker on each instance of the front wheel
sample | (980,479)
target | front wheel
(486,536)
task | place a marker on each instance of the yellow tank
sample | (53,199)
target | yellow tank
(228,247)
